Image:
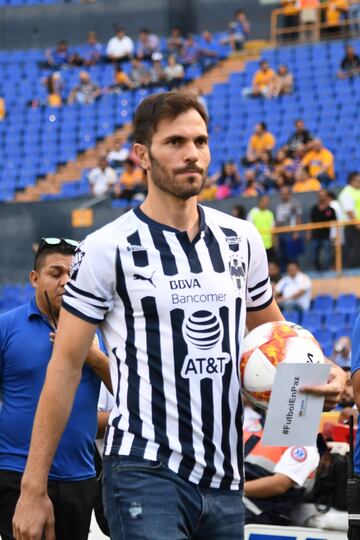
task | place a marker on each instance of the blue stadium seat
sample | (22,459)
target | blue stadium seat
(322,304)
(311,321)
(334,321)
(346,303)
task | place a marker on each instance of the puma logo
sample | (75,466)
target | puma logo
(144,278)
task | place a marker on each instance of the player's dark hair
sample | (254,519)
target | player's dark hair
(157,107)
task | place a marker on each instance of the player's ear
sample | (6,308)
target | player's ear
(142,153)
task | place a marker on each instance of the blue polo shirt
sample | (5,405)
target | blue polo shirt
(25,351)
(355,365)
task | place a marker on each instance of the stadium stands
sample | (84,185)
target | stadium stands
(35,140)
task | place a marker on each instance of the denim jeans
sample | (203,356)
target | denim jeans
(322,253)
(145,500)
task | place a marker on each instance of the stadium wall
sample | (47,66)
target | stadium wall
(23,224)
(41,26)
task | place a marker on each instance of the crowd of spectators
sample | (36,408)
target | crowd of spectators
(148,61)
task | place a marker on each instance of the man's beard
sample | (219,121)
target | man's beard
(167,181)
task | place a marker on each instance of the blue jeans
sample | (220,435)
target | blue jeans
(145,500)
(322,253)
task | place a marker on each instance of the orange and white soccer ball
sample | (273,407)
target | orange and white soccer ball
(267,346)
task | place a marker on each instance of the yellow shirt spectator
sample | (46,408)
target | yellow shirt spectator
(309,184)
(319,160)
(262,142)
(129,179)
(264,221)
(289,7)
(2,108)
(334,11)
(263,78)
(54,100)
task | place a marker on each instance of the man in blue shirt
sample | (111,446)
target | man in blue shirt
(25,351)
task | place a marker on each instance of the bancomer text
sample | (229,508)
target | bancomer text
(197,298)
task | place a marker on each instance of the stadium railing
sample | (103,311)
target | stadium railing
(280,32)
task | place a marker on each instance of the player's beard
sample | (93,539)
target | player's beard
(166,180)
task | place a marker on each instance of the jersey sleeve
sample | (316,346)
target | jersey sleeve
(89,293)
(355,347)
(297,463)
(259,291)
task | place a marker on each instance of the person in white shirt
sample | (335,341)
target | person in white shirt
(120,47)
(293,291)
(101,178)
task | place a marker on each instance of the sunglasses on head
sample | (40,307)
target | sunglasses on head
(57,242)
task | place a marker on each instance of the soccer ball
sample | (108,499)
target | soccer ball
(268,345)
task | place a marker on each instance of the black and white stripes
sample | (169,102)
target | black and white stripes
(172,313)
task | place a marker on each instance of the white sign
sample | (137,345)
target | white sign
(293,416)
(274,532)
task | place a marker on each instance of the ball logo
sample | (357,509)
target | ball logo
(299,453)
(203,330)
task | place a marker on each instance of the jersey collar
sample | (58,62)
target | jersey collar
(161,227)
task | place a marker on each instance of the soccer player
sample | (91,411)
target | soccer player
(172,285)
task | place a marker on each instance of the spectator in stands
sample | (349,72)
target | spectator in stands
(274,476)
(320,238)
(299,139)
(320,163)
(175,42)
(350,64)
(308,17)
(27,332)
(2,109)
(340,216)
(284,169)
(86,92)
(274,273)
(238,211)
(283,82)
(304,182)
(120,47)
(209,191)
(263,219)
(263,80)
(288,212)
(147,45)
(54,86)
(208,50)
(174,72)
(354,16)
(130,182)
(349,198)
(264,170)
(59,55)
(261,141)
(157,73)
(118,154)
(121,80)
(139,74)
(290,17)
(190,52)
(227,180)
(92,52)
(102,178)
(293,291)
(342,352)
(239,30)
(252,187)
(336,10)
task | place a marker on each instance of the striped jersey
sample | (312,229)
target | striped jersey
(172,313)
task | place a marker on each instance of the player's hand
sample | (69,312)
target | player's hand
(332,390)
(34,517)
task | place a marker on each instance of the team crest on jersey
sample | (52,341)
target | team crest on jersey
(237,269)
(76,262)
(299,453)
(203,332)
(234,242)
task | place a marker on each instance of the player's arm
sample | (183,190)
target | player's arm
(270,313)
(34,513)
(268,486)
(102,421)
